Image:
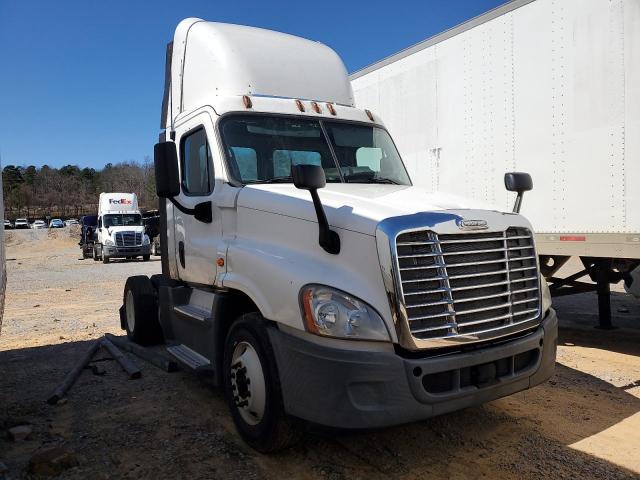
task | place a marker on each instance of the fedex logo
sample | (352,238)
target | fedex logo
(121,201)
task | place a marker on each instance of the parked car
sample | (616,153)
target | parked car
(21,223)
(38,224)
(56,223)
(8,225)
(70,222)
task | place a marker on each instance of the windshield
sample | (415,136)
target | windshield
(122,220)
(262,149)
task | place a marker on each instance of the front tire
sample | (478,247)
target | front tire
(145,258)
(95,254)
(141,311)
(252,387)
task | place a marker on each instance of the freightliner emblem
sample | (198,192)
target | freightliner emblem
(472,224)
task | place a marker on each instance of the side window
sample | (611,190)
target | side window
(195,164)
(247,162)
(283,159)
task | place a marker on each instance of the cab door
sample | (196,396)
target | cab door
(196,241)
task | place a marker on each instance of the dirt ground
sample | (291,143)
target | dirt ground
(583,423)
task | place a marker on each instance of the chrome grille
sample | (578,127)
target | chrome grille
(467,283)
(128,239)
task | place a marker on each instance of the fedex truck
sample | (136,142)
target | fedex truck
(548,87)
(120,232)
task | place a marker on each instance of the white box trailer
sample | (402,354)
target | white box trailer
(547,87)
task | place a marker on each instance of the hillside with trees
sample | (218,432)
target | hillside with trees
(71,191)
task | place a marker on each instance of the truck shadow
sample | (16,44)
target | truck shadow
(178,425)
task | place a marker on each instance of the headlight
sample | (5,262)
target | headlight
(145,239)
(546,295)
(108,241)
(332,313)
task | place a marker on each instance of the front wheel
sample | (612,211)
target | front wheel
(141,311)
(252,387)
(145,258)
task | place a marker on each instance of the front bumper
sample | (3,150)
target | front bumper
(356,389)
(112,251)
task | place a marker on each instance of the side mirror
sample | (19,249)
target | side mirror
(311,177)
(519,182)
(165,159)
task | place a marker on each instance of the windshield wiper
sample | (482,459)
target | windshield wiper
(368,179)
(285,179)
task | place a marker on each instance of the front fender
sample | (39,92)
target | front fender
(273,256)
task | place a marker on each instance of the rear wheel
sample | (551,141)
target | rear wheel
(141,311)
(95,254)
(105,259)
(252,387)
(145,258)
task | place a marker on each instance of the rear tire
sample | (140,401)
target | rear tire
(145,258)
(141,311)
(95,254)
(105,259)
(252,387)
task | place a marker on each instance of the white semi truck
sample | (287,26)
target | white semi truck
(303,270)
(548,87)
(120,232)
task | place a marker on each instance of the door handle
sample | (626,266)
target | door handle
(181,252)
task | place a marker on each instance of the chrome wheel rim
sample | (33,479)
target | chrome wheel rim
(248,383)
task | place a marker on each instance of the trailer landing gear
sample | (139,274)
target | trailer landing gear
(602,271)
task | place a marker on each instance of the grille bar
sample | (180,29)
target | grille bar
(491,277)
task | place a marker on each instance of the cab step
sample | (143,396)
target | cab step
(193,312)
(190,358)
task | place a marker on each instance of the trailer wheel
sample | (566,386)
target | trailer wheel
(141,311)
(252,387)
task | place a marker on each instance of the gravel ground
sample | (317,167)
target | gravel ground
(583,423)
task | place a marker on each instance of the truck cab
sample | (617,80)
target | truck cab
(304,272)
(120,232)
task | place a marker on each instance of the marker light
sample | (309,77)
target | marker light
(316,107)
(300,105)
(247,101)
(331,108)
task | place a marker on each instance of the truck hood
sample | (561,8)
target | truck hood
(356,207)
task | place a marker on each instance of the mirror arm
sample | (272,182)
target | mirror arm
(201,212)
(518,202)
(328,239)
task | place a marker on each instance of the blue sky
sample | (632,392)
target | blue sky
(81,81)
